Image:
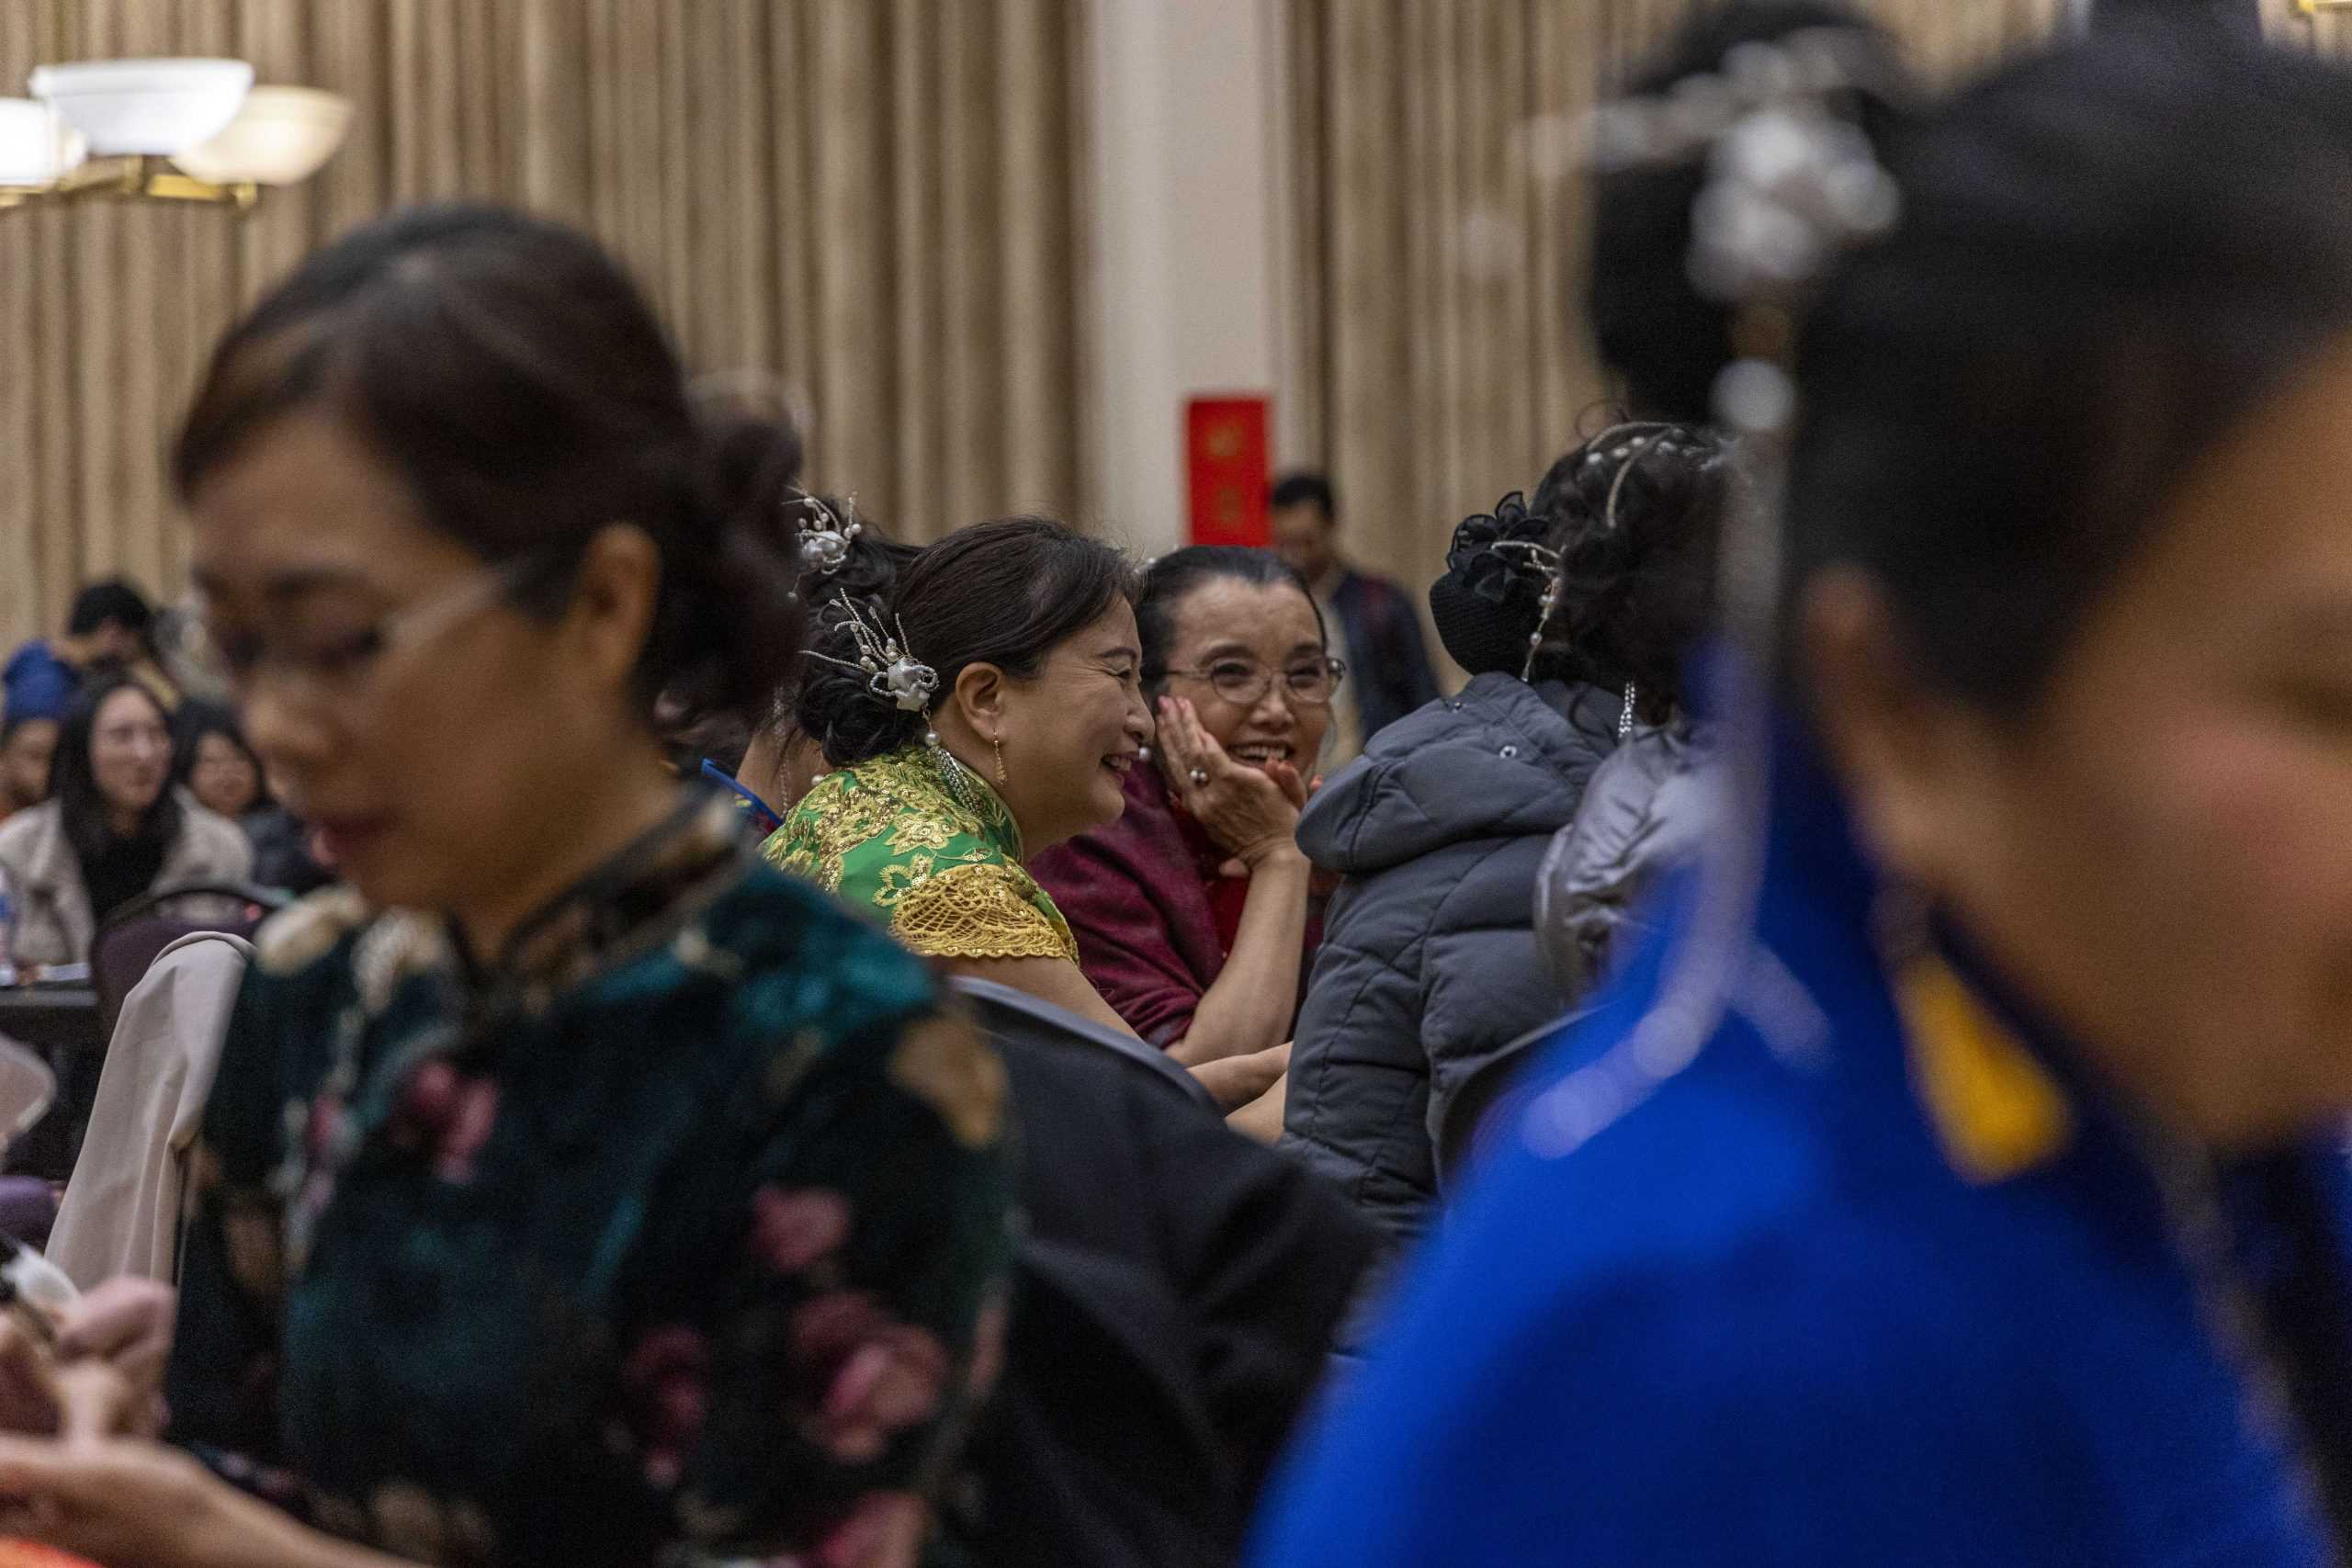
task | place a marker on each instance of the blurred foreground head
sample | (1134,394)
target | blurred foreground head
(2068,539)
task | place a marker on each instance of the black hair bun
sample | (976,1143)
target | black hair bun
(1490,600)
(836,706)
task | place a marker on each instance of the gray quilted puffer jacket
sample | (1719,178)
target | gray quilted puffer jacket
(1427,968)
(1645,809)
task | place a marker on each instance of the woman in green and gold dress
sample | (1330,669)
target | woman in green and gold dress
(574,1189)
(986,705)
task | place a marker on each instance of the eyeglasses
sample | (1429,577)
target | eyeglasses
(337,670)
(153,735)
(1308,682)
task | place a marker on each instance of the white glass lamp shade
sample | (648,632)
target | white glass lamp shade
(152,108)
(36,147)
(279,138)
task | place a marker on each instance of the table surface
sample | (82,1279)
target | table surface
(44,998)
(61,1023)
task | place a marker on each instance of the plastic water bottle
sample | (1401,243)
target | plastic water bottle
(7,932)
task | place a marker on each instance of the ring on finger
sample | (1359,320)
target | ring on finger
(1200,776)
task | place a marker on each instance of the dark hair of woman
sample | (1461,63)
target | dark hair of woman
(1171,579)
(1005,592)
(1652,326)
(73,780)
(196,720)
(2085,295)
(515,377)
(869,575)
(1635,514)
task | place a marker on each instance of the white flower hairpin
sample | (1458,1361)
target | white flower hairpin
(891,672)
(825,535)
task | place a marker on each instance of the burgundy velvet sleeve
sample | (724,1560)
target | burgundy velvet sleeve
(1115,886)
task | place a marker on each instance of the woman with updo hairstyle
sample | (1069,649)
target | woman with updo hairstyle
(1640,510)
(1954,1172)
(574,1188)
(1570,617)
(984,706)
(785,760)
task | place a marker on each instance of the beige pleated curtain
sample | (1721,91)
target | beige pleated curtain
(1431,361)
(872,201)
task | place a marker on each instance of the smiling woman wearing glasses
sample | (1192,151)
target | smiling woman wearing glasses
(540,1213)
(113,829)
(1190,911)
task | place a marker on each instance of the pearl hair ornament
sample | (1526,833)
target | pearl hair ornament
(891,672)
(825,536)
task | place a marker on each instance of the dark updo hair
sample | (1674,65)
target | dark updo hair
(1653,327)
(196,720)
(869,576)
(1006,594)
(1636,514)
(2109,256)
(516,379)
(74,778)
(1168,580)
(1487,602)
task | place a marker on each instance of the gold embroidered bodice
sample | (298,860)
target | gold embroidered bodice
(890,833)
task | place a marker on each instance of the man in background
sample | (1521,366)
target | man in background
(1371,619)
(108,628)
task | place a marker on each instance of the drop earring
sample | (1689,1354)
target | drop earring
(952,768)
(999,744)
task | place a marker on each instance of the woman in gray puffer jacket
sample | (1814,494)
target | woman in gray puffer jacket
(1429,968)
(1646,810)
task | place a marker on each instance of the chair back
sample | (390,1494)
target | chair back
(27,1090)
(128,940)
(1003,1010)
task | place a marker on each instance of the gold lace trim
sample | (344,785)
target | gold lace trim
(978,911)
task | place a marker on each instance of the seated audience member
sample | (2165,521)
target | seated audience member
(1371,618)
(27,746)
(1177,1297)
(1647,805)
(1190,909)
(106,631)
(115,829)
(990,705)
(214,762)
(219,768)
(572,1188)
(1427,968)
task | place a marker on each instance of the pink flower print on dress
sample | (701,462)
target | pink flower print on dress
(885,1531)
(791,1230)
(879,1376)
(666,1384)
(448,1113)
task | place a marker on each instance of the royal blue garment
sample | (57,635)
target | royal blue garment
(762,817)
(37,683)
(1763,1320)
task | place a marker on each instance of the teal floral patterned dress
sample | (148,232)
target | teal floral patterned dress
(678,1235)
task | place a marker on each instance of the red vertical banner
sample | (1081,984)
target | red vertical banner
(1226,458)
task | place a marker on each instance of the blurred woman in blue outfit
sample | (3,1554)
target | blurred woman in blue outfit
(1955,1174)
